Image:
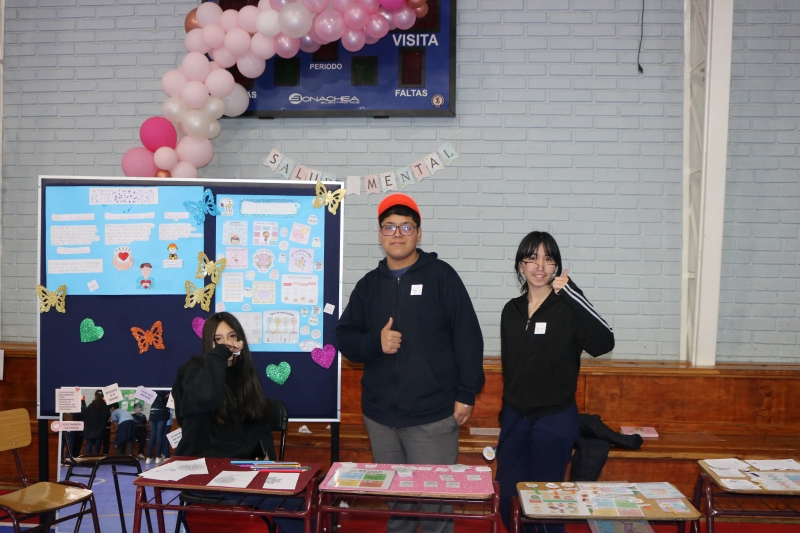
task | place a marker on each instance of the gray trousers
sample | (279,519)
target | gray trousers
(434,443)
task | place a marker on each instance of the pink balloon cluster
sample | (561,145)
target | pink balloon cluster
(201,91)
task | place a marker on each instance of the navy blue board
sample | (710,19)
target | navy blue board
(406,73)
(311,392)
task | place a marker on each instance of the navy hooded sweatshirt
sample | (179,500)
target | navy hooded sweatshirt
(440,360)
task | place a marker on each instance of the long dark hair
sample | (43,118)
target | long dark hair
(244,399)
(528,247)
(98,399)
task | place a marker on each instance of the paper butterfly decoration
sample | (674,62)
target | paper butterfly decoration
(153,337)
(329,198)
(206,267)
(199,209)
(48,299)
(201,296)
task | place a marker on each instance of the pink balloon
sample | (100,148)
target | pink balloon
(405,17)
(247,18)
(264,4)
(223,58)
(330,25)
(372,40)
(195,66)
(250,66)
(278,4)
(308,45)
(138,162)
(165,157)
(212,66)
(262,47)
(316,6)
(173,83)
(220,83)
(229,19)
(376,28)
(194,94)
(354,40)
(208,13)
(313,33)
(213,35)
(286,47)
(356,17)
(194,41)
(370,5)
(237,41)
(156,132)
(391,5)
(382,11)
(184,170)
(341,5)
(195,150)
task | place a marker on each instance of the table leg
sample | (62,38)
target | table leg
(159,511)
(708,489)
(137,510)
(515,515)
(320,514)
(696,499)
(496,507)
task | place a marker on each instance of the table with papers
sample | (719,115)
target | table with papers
(749,488)
(215,476)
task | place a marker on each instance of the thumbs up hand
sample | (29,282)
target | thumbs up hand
(390,340)
(560,281)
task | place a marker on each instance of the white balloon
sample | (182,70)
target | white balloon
(184,169)
(196,123)
(214,107)
(236,103)
(174,108)
(295,20)
(214,129)
(267,23)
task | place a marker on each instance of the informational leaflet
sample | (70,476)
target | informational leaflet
(359,478)
(233,479)
(275,265)
(121,240)
(176,470)
(68,400)
(774,464)
(617,526)
(780,481)
(553,502)
(658,490)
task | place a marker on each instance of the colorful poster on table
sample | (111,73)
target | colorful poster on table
(105,240)
(273,282)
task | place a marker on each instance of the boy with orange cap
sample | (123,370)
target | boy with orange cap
(412,324)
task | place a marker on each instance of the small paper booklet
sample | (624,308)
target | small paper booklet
(647,432)
(615,526)
(362,478)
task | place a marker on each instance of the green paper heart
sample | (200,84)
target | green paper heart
(90,332)
(279,374)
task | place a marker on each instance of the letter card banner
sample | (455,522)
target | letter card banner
(126,251)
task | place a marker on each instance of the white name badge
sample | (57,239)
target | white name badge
(540,328)
(416,290)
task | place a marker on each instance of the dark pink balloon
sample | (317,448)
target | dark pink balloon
(138,162)
(391,5)
(370,5)
(285,46)
(156,132)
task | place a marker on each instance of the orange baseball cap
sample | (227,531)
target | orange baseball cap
(398,199)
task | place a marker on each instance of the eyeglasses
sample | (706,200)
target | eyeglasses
(390,229)
(548,262)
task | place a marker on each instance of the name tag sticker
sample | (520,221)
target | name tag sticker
(416,290)
(540,328)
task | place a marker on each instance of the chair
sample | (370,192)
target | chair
(42,499)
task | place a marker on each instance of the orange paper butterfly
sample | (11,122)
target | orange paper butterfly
(146,338)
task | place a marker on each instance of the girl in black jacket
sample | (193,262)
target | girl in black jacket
(542,335)
(95,419)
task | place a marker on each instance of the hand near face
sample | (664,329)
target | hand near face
(560,281)
(234,346)
(390,340)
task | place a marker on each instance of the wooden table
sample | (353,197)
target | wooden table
(721,501)
(473,499)
(650,509)
(197,483)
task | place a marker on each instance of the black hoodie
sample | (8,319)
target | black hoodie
(541,365)
(440,360)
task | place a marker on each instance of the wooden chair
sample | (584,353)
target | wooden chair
(42,499)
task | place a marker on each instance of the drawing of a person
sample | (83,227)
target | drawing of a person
(146,282)
(173,251)
(235,239)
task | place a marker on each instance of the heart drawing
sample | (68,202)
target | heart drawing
(324,356)
(197,325)
(90,332)
(280,373)
(122,256)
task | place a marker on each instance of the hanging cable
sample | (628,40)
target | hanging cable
(641,34)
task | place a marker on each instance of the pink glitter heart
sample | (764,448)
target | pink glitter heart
(324,356)
(197,325)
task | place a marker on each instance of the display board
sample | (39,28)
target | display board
(127,266)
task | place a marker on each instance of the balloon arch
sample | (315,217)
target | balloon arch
(201,91)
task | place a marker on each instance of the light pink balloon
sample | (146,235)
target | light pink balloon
(165,158)
(223,58)
(229,19)
(194,94)
(138,162)
(295,20)
(194,41)
(173,82)
(330,25)
(377,27)
(195,150)
(262,47)
(382,11)
(391,5)
(404,18)
(195,66)
(316,6)
(354,40)
(286,47)
(370,5)
(213,35)
(356,17)
(308,45)
(237,41)
(184,169)
(372,40)
(278,4)
(212,66)
(220,83)
(208,13)
(314,35)
(342,5)
(250,66)
(247,18)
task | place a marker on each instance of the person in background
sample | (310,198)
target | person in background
(164,453)
(123,440)
(95,419)
(140,429)
(159,413)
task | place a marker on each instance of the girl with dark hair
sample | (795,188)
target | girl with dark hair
(95,417)
(542,335)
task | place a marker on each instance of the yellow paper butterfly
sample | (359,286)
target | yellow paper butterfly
(201,296)
(206,267)
(153,337)
(329,198)
(48,299)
